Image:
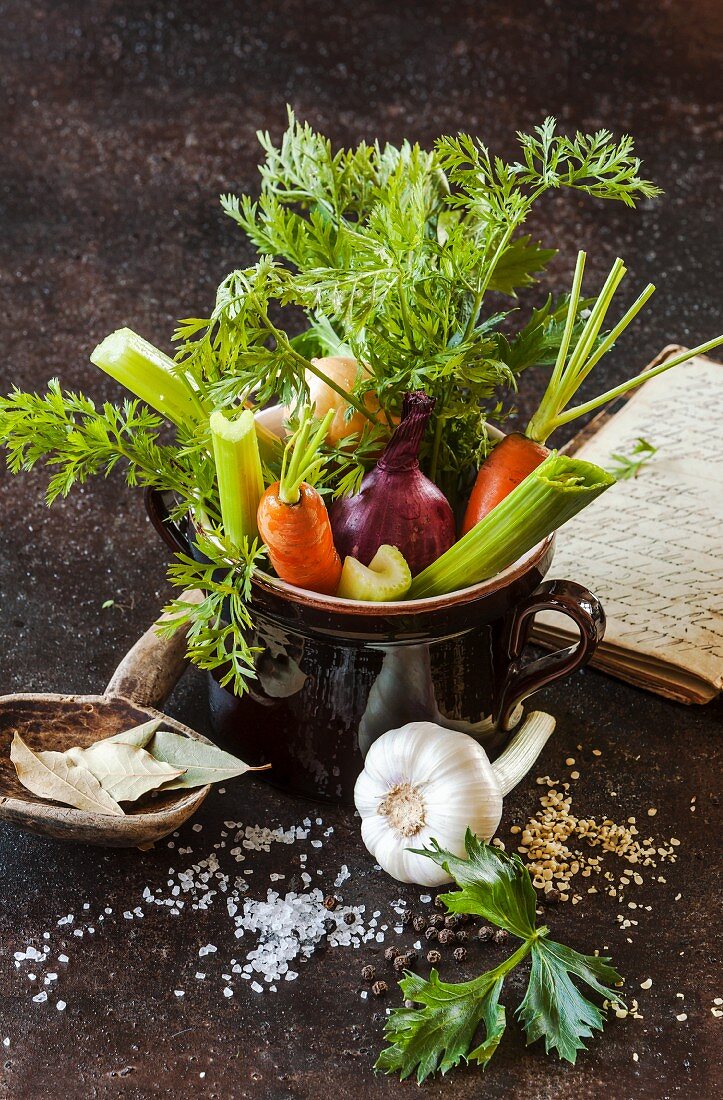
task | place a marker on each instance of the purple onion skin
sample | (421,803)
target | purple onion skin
(397,505)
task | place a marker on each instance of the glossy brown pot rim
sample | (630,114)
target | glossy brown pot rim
(364,609)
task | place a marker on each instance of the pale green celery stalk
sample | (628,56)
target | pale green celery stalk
(150,375)
(548,497)
(238,471)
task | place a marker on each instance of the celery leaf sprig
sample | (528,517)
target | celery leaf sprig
(464,1021)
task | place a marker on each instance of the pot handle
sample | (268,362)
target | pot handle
(159,514)
(522,678)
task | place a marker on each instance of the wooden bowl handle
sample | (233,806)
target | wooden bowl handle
(152,668)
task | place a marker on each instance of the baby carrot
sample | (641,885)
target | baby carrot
(292,517)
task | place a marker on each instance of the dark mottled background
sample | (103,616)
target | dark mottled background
(121,123)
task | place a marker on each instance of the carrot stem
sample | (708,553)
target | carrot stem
(302,460)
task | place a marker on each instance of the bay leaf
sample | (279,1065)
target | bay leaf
(203,763)
(125,771)
(139,736)
(54,776)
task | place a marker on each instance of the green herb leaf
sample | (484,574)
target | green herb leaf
(440,1035)
(442,1032)
(493,885)
(625,467)
(518,265)
(198,762)
(554,1008)
(221,633)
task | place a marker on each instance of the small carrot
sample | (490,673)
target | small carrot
(510,462)
(292,517)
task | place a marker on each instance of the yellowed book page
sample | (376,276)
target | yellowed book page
(651,547)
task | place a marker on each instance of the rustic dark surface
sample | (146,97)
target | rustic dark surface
(122,121)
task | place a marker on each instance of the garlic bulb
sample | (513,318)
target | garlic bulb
(423,781)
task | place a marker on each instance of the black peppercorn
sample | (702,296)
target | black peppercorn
(379,989)
(445,935)
(400,962)
(349,918)
(451,921)
(460,954)
(368,973)
(419,924)
(431,934)
(438,903)
(501,936)
(460,936)
(330,902)
(436,920)
(485,933)
(433,957)
(552,896)
(412,956)
(405,916)
(329,926)
(390,954)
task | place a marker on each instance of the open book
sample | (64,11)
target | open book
(651,548)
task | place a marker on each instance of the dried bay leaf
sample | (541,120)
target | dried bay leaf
(203,763)
(139,736)
(125,771)
(54,776)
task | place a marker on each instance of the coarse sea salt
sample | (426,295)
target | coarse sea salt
(278,928)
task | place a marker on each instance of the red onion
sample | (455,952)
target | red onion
(397,505)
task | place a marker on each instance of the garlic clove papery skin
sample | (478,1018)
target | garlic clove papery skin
(420,782)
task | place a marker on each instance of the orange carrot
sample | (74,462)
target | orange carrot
(293,520)
(509,463)
(299,540)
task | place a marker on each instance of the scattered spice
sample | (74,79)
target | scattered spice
(400,963)
(349,918)
(485,933)
(460,954)
(330,902)
(451,921)
(431,934)
(368,973)
(445,935)
(390,954)
(433,957)
(405,917)
(460,936)
(548,843)
(419,923)
(501,935)
(379,988)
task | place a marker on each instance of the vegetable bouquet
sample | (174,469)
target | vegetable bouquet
(377,404)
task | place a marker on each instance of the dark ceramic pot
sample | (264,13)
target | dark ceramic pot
(336,674)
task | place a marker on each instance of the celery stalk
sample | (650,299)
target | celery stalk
(548,497)
(150,375)
(238,470)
